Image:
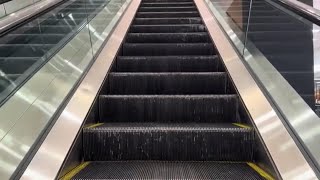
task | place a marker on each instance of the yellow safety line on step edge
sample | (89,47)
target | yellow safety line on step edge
(75,171)
(241,125)
(260,171)
(94,125)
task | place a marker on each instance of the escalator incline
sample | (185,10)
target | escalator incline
(168,109)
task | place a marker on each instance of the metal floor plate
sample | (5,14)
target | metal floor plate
(167,170)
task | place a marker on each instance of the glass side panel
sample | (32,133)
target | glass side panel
(41,63)
(281,49)
(287,44)
(32,44)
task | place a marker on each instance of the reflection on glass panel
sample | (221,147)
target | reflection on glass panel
(102,23)
(236,14)
(282,52)
(54,50)
(316,48)
(283,38)
(287,44)
(32,44)
(2,11)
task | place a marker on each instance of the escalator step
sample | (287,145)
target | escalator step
(166,4)
(173,21)
(167,9)
(167,170)
(245,8)
(265,27)
(168,64)
(280,48)
(294,62)
(262,19)
(168,38)
(163,49)
(276,36)
(168,83)
(168,142)
(182,28)
(16,65)
(24,50)
(31,39)
(167,14)
(168,108)
(44,30)
(164,1)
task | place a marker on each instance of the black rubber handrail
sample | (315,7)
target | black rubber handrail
(4,1)
(301,9)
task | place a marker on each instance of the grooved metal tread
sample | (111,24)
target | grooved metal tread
(168,141)
(167,170)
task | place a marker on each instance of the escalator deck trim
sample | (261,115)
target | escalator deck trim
(260,171)
(75,171)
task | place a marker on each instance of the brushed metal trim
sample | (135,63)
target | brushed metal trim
(51,154)
(289,161)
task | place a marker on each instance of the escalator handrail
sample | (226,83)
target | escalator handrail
(4,1)
(22,15)
(304,10)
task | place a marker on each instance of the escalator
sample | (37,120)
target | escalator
(168,109)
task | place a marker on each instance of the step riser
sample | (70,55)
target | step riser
(172,4)
(168,38)
(167,28)
(173,21)
(168,64)
(167,15)
(166,9)
(155,83)
(166,1)
(167,49)
(189,145)
(168,109)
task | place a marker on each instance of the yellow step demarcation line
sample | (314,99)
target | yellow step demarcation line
(260,171)
(94,125)
(241,125)
(75,171)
